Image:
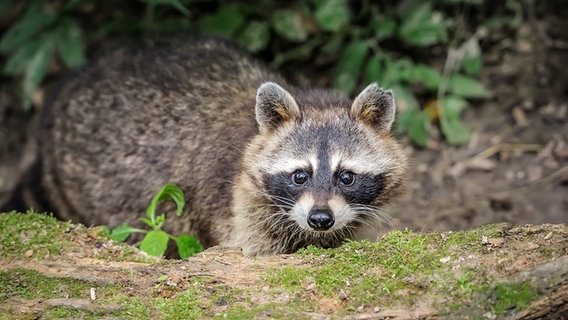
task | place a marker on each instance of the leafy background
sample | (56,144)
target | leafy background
(427,52)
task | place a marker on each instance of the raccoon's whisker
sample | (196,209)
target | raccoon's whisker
(241,151)
(361,219)
(274,198)
(271,221)
(349,232)
(291,231)
(374,212)
(288,202)
(284,200)
(279,206)
(359,213)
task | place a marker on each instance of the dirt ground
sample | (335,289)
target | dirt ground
(514,169)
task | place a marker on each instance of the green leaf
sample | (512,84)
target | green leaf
(34,20)
(155,243)
(106,231)
(454,103)
(393,71)
(172,3)
(409,117)
(429,77)
(300,51)
(168,192)
(160,221)
(467,87)
(147,221)
(386,30)
(255,36)
(383,25)
(288,24)
(332,15)
(188,246)
(68,40)
(472,65)
(374,70)
(452,128)
(349,66)
(421,27)
(404,98)
(122,232)
(16,64)
(418,130)
(225,22)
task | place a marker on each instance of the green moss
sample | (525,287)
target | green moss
(498,300)
(388,271)
(74,313)
(31,284)
(45,236)
(136,307)
(20,232)
(185,305)
(511,296)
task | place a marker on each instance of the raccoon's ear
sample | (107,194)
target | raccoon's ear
(375,106)
(274,106)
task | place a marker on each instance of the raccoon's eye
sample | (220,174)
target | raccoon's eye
(300,177)
(346,178)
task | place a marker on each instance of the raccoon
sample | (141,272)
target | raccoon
(264,165)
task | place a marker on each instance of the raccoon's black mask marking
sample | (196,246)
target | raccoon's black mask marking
(364,189)
(283,190)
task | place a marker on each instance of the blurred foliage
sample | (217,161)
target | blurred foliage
(427,52)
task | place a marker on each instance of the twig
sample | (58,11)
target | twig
(502,147)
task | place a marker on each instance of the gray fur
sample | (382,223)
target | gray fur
(181,110)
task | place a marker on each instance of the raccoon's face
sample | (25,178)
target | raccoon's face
(326,165)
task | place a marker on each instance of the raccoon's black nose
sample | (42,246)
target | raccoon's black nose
(321,220)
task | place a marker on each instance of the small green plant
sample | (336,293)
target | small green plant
(155,241)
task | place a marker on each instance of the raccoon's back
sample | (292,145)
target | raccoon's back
(148,112)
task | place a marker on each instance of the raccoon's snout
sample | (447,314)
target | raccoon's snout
(321,220)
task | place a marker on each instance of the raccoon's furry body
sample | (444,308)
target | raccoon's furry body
(269,179)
